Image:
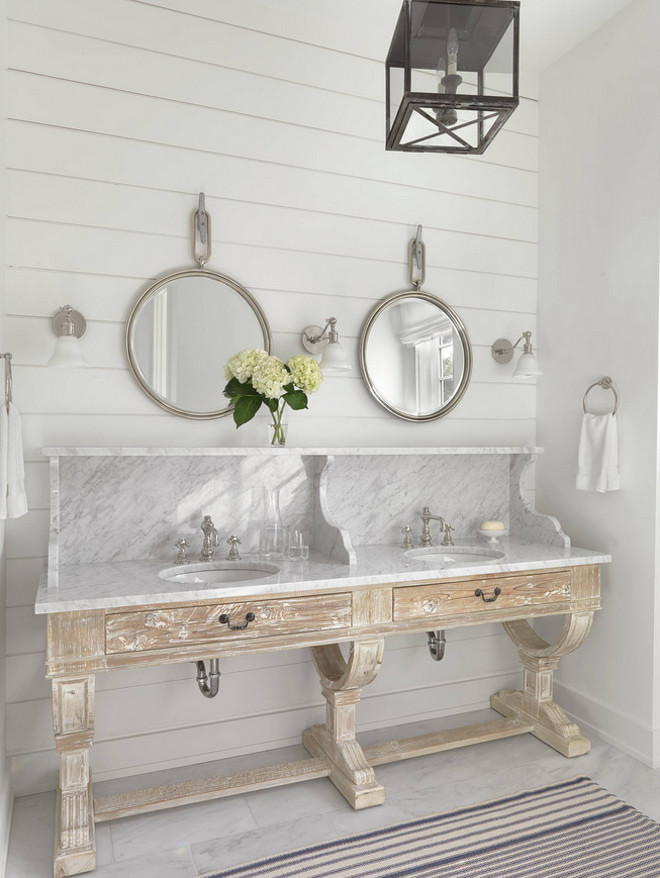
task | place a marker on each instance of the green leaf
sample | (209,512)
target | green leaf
(231,386)
(272,404)
(235,388)
(289,388)
(245,408)
(297,399)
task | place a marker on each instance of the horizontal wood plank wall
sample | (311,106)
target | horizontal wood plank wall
(120,112)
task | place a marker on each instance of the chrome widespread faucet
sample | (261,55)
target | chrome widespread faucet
(211,539)
(426,530)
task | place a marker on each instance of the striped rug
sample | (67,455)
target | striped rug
(571,829)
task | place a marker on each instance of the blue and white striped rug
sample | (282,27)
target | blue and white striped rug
(571,829)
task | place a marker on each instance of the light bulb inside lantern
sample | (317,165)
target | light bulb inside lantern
(440,73)
(452,52)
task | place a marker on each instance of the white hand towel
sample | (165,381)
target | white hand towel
(16,497)
(598,454)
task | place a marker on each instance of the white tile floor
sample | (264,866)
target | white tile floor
(197,839)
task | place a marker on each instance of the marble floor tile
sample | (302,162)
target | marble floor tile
(159,831)
(434,770)
(424,802)
(296,800)
(176,863)
(233,850)
(32,838)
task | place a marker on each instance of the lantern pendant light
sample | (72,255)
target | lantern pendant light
(451,74)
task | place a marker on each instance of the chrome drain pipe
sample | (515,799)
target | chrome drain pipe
(436,642)
(208,683)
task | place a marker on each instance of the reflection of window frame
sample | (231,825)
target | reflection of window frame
(425,337)
(159,357)
(445,341)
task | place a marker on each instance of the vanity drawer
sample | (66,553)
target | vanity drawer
(457,598)
(179,626)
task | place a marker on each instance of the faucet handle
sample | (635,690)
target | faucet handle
(233,542)
(407,541)
(447,540)
(181,557)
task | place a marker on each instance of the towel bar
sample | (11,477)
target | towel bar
(606,384)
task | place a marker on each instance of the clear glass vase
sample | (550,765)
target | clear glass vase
(277,427)
(272,539)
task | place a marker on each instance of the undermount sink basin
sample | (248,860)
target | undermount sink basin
(220,572)
(439,558)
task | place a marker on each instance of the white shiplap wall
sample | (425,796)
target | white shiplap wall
(6,791)
(119,113)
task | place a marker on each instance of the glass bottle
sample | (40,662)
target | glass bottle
(273,536)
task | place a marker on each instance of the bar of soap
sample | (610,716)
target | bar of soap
(492,525)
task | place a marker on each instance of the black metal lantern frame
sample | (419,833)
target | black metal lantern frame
(452,74)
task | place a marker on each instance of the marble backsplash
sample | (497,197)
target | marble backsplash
(134,504)
(136,508)
(373,498)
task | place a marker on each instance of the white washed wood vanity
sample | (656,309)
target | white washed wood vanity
(116,514)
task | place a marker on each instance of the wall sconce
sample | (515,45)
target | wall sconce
(69,326)
(451,74)
(502,351)
(325,340)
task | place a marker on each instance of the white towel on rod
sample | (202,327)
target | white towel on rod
(598,454)
(16,497)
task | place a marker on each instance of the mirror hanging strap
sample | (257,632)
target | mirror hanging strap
(417,255)
(201,233)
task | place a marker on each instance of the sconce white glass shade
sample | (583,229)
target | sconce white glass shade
(68,325)
(68,353)
(334,359)
(325,341)
(527,367)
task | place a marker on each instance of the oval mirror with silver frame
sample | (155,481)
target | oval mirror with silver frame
(416,356)
(181,332)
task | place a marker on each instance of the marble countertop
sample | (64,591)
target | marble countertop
(266,451)
(135,583)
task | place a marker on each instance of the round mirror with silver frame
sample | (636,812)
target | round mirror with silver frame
(416,356)
(180,333)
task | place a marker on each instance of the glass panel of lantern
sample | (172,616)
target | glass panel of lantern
(452,74)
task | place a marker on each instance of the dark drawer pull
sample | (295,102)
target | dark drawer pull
(497,591)
(224,620)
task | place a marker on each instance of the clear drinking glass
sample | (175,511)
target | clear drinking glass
(295,542)
(298,548)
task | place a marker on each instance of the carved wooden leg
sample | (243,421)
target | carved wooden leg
(73,721)
(534,703)
(341,684)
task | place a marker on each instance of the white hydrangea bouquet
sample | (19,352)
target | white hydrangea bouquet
(255,378)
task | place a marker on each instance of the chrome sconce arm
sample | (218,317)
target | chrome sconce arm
(325,340)
(502,351)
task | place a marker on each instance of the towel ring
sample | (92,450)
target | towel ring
(606,384)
